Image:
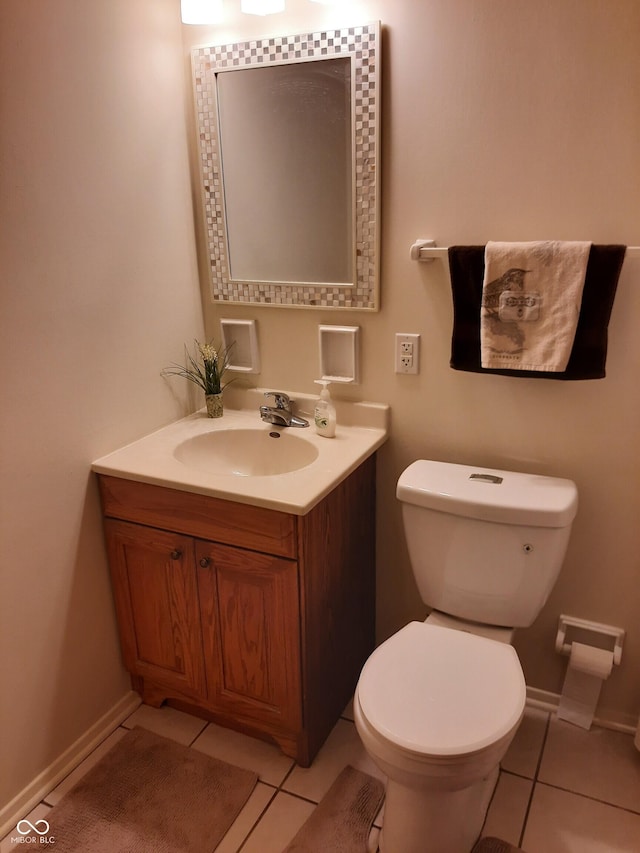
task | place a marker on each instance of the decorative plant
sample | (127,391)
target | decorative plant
(205,370)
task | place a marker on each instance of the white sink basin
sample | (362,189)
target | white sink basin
(247,452)
(235,457)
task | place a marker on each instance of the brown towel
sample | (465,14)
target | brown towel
(589,352)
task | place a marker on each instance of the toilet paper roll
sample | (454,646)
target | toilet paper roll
(598,662)
(588,668)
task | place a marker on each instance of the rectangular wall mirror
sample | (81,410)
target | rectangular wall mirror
(288,146)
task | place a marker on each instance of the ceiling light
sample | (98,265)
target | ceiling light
(261,7)
(201,11)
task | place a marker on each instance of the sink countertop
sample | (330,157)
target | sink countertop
(362,428)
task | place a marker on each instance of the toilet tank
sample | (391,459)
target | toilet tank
(485,545)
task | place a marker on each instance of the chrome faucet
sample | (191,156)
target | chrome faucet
(281,414)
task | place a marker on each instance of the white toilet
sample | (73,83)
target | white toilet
(438,703)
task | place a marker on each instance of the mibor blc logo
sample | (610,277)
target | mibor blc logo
(33,833)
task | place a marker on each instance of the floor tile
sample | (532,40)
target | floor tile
(281,821)
(562,822)
(342,747)
(40,812)
(524,752)
(167,722)
(599,763)
(260,798)
(508,809)
(265,759)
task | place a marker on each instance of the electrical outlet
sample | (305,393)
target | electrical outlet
(407,356)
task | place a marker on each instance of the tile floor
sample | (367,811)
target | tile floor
(561,789)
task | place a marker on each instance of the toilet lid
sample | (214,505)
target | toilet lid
(440,691)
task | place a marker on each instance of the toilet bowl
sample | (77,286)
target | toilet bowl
(436,709)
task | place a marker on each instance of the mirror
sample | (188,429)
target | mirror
(285,149)
(288,147)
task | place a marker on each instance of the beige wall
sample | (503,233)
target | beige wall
(98,290)
(501,120)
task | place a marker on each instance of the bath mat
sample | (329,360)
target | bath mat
(150,795)
(494,845)
(341,822)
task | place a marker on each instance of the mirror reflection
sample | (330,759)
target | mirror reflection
(285,148)
(288,139)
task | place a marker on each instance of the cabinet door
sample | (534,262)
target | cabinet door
(155,590)
(251,633)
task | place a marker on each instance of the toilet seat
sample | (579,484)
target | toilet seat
(435,691)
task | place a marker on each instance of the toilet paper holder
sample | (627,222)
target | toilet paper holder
(571,629)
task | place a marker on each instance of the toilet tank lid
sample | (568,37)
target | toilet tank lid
(489,494)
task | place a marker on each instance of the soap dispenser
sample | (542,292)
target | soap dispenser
(325,413)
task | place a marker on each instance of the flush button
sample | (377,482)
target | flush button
(486,478)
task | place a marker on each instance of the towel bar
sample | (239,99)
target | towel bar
(426,250)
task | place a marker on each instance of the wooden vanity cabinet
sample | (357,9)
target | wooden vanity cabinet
(257,619)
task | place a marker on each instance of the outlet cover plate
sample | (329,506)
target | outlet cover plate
(407,353)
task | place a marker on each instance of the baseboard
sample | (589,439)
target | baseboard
(46,781)
(606,719)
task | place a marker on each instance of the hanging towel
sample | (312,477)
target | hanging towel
(589,352)
(531,298)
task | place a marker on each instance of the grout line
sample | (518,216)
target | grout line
(280,788)
(493,794)
(277,789)
(299,797)
(258,819)
(589,797)
(517,775)
(542,748)
(287,774)
(535,780)
(200,733)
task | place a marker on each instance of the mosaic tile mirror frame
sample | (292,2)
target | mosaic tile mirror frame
(361,45)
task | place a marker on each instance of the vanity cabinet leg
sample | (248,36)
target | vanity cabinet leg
(151,695)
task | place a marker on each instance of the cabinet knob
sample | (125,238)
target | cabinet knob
(175,555)
(204,562)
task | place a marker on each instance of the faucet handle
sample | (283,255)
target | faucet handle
(282,399)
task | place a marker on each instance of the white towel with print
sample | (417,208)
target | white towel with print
(531,298)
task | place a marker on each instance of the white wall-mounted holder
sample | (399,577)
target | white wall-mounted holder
(426,251)
(241,338)
(339,353)
(607,637)
(418,246)
(593,650)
